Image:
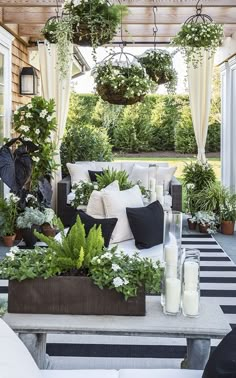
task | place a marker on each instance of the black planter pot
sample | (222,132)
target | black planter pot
(29,237)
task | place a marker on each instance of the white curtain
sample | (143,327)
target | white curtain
(58,89)
(200,82)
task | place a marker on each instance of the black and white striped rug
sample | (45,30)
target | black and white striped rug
(218,279)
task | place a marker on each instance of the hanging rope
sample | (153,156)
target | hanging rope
(155,28)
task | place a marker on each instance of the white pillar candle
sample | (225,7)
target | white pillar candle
(152,184)
(172,295)
(191,275)
(171,271)
(171,254)
(153,196)
(159,190)
(160,198)
(191,302)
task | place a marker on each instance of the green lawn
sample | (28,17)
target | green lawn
(178,162)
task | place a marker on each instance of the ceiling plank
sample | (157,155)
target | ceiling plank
(175,3)
(27,30)
(30,3)
(22,15)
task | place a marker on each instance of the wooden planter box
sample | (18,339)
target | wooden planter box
(70,295)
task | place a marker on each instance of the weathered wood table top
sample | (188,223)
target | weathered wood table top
(210,324)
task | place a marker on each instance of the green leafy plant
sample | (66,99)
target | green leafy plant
(35,122)
(126,274)
(121,83)
(50,217)
(228,208)
(110,175)
(30,217)
(8,214)
(194,37)
(207,218)
(198,174)
(211,197)
(159,66)
(82,191)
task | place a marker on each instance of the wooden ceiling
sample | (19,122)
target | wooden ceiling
(27,17)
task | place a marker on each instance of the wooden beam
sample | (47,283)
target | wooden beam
(175,3)
(23,15)
(30,3)
(27,30)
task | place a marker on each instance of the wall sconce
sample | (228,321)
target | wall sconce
(28,81)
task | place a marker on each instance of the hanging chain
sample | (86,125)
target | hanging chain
(57,9)
(155,28)
(198,8)
(121,28)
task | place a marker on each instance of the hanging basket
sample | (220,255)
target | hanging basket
(121,80)
(49,30)
(83,36)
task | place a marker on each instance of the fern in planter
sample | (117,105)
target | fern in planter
(110,175)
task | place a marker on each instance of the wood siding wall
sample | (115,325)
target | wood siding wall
(20,58)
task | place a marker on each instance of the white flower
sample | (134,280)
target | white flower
(11,255)
(125,281)
(43,113)
(29,106)
(12,197)
(29,197)
(117,282)
(28,115)
(49,118)
(24,128)
(14,249)
(27,139)
(190,186)
(16,112)
(37,131)
(115,267)
(95,186)
(36,159)
(106,255)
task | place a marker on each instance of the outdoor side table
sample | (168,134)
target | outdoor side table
(211,323)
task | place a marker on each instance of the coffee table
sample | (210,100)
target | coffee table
(33,328)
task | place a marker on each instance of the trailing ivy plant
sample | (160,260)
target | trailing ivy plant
(194,37)
(159,66)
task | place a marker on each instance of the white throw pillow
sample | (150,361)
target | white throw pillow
(143,174)
(95,206)
(165,175)
(79,172)
(115,204)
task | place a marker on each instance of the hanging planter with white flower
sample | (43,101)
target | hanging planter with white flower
(159,66)
(35,122)
(199,33)
(121,81)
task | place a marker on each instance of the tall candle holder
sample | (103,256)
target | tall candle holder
(160,192)
(172,235)
(191,283)
(172,290)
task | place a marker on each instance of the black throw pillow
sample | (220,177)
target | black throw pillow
(222,362)
(107,225)
(93,175)
(146,224)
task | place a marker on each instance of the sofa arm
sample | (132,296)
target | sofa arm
(63,189)
(176,194)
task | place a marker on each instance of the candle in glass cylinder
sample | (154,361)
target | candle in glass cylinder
(152,184)
(171,254)
(171,271)
(153,196)
(159,190)
(190,303)
(172,295)
(191,275)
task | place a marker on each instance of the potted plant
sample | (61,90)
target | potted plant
(50,221)
(191,206)
(76,275)
(159,67)
(87,23)
(121,83)
(35,122)
(82,192)
(8,216)
(29,220)
(228,214)
(194,37)
(207,222)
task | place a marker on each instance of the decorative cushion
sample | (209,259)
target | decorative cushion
(93,175)
(143,174)
(222,362)
(146,224)
(79,172)
(107,225)
(95,206)
(115,204)
(165,174)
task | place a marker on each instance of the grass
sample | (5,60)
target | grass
(178,162)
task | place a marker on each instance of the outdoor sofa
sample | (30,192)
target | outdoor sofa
(66,212)
(17,362)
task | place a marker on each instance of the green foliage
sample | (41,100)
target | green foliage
(184,133)
(8,214)
(110,175)
(83,191)
(35,122)
(75,250)
(30,217)
(125,273)
(211,197)
(84,142)
(228,207)
(213,137)
(198,174)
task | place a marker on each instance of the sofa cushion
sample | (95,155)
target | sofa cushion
(155,253)
(100,165)
(107,225)
(115,204)
(79,172)
(92,373)
(146,224)
(160,373)
(143,174)
(15,359)
(165,174)
(95,206)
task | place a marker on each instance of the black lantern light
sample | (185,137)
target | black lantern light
(28,81)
